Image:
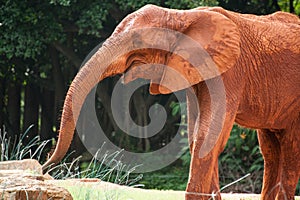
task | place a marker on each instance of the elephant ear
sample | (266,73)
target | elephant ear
(208,46)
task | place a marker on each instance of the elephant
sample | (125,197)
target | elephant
(256,60)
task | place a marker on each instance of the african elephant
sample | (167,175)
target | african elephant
(257,59)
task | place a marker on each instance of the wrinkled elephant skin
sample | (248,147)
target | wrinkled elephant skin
(257,59)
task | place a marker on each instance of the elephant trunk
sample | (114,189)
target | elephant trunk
(96,69)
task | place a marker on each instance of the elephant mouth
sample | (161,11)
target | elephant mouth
(140,69)
(133,64)
(146,63)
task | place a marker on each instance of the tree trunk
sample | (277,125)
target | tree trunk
(276,5)
(47,114)
(104,91)
(292,8)
(2,94)
(13,108)
(31,111)
(69,53)
(59,84)
(141,117)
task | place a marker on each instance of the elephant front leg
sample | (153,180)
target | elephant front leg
(206,146)
(204,180)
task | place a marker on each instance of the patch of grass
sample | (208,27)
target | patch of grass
(99,191)
(85,193)
(169,178)
(106,193)
(108,167)
(18,149)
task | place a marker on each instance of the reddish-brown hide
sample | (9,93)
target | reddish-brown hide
(258,59)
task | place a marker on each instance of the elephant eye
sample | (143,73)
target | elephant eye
(135,59)
(136,63)
(133,63)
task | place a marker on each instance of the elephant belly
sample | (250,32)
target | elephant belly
(252,121)
(268,116)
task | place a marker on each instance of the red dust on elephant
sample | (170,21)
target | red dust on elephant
(256,60)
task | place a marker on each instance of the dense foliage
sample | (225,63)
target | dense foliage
(240,157)
(42,46)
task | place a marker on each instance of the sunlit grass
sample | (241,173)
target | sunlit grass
(108,167)
(88,192)
(108,191)
(18,149)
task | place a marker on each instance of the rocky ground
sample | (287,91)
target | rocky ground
(22,180)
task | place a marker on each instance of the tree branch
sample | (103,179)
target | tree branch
(104,32)
(69,53)
(116,13)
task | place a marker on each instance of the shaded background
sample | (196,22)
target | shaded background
(42,46)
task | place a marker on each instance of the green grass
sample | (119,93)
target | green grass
(117,194)
(87,193)
(18,149)
(106,191)
(109,168)
(113,171)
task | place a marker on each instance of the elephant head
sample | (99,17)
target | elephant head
(175,49)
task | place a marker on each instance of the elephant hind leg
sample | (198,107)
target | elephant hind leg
(281,152)
(270,148)
(290,159)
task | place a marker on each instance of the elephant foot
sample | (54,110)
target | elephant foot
(202,196)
